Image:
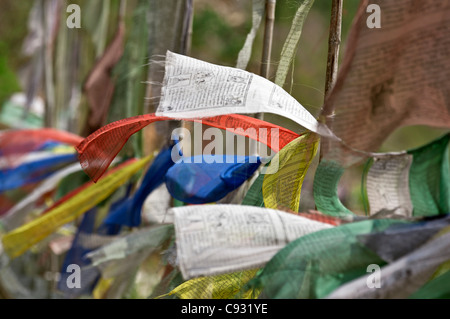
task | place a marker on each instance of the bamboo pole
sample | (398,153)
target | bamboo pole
(267,42)
(186,33)
(49,118)
(268,38)
(122,10)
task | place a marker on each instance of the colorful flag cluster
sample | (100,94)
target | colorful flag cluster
(223,225)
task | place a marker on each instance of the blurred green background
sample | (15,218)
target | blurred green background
(219,31)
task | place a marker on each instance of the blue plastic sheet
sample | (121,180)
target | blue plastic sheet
(208,178)
(128,213)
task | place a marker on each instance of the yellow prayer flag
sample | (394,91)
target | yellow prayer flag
(215,287)
(282,188)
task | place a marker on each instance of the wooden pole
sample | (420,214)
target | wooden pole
(334,42)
